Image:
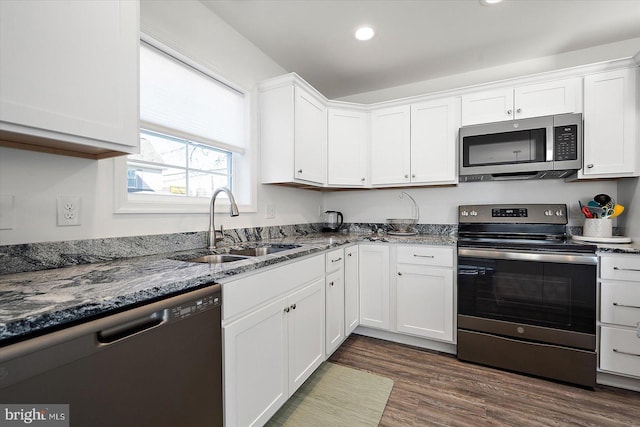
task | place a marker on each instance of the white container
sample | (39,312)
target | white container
(597,227)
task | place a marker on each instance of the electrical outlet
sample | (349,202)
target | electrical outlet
(270,212)
(7,214)
(68,208)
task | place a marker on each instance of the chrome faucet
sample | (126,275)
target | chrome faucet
(233,211)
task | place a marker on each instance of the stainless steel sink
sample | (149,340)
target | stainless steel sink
(217,258)
(263,250)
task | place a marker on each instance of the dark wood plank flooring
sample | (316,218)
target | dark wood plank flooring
(434,389)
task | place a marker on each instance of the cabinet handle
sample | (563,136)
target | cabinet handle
(626,269)
(625,305)
(509,112)
(615,350)
(286,310)
(293,306)
(590,165)
(336,260)
(299,170)
(423,256)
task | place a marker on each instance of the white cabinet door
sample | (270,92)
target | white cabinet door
(255,365)
(306,332)
(487,106)
(391,145)
(351,290)
(434,141)
(373,266)
(534,100)
(610,125)
(310,138)
(545,99)
(347,147)
(425,301)
(334,321)
(69,73)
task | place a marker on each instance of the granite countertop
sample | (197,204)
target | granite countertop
(37,302)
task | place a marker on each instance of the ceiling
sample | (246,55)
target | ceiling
(419,40)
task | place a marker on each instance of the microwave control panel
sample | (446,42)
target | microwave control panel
(565,142)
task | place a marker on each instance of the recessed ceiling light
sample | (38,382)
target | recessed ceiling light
(365,33)
(489,2)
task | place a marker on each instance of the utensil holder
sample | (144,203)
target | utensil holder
(597,227)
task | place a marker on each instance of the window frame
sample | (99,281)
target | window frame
(244,166)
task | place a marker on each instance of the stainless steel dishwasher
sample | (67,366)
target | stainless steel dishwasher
(159,364)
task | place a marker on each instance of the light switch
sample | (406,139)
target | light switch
(7,211)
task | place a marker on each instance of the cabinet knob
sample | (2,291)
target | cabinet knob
(349,254)
(286,310)
(399,274)
(299,170)
(330,283)
(362,179)
(406,176)
(413,175)
(519,110)
(590,165)
(509,112)
(293,306)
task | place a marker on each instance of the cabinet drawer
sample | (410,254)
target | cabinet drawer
(421,255)
(620,267)
(620,351)
(334,260)
(620,303)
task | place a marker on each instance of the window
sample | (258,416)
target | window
(193,139)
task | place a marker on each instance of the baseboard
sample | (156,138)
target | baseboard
(605,378)
(406,339)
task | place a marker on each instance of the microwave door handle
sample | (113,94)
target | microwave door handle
(550,143)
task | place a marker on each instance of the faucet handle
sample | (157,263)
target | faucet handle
(221,233)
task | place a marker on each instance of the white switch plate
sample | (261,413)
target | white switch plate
(7,211)
(270,212)
(68,209)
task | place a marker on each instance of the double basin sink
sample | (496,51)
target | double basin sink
(240,254)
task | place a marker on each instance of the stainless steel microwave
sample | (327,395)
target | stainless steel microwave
(535,148)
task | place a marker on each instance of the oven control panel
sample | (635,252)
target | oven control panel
(518,213)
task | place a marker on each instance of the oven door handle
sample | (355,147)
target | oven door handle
(563,258)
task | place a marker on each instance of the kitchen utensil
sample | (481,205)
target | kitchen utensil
(593,203)
(617,210)
(586,212)
(332,221)
(602,199)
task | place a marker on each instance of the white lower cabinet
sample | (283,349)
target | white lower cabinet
(424,292)
(619,323)
(334,306)
(374,286)
(271,349)
(351,290)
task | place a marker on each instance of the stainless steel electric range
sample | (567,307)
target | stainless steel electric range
(526,293)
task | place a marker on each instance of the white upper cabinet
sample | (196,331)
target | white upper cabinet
(521,102)
(293,132)
(434,141)
(347,147)
(69,76)
(391,145)
(610,125)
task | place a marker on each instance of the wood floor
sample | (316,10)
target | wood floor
(433,389)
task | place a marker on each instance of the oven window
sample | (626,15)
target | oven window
(525,146)
(559,296)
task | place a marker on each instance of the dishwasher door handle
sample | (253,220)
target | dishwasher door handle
(132,327)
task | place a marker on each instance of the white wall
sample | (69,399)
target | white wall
(36,179)
(629,197)
(438,205)
(608,52)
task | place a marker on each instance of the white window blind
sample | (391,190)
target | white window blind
(179,100)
